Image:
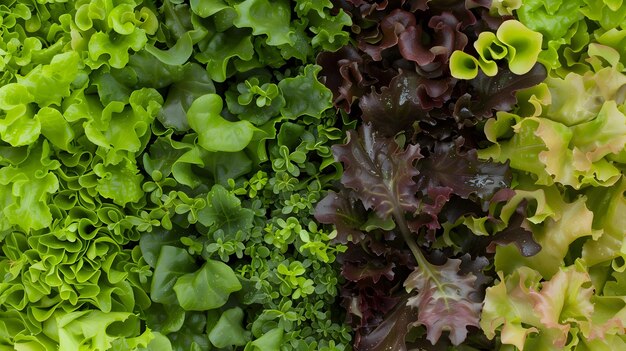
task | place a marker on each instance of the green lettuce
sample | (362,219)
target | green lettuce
(574,142)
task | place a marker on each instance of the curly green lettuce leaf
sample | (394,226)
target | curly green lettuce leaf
(114,48)
(504,7)
(48,84)
(177,54)
(557,21)
(55,128)
(608,204)
(609,14)
(574,221)
(220,50)
(564,311)
(557,136)
(206,8)
(26,188)
(120,127)
(96,330)
(120,182)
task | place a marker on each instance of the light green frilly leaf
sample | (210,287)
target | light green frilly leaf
(222,49)
(25,189)
(539,316)
(95,330)
(206,8)
(573,221)
(609,206)
(504,7)
(489,49)
(120,182)
(463,65)
(48,84)
(55,128)
(103,48)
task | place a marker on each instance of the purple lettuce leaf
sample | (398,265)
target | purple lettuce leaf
(358,265)
(341,72)
(447,166)
(444,300)
(516,234)
(391,333)
(406,101)
(486,94)
(345,212)
(380,172)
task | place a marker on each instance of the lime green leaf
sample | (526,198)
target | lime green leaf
(214,132)
(55,128)
(523,44)
(573,221)
(173,263)
(229,331)
(265,17)
(223,48)
(121,182)
(177,54)
(463,65)
(214,282)
(206,8)
(224,211)
(305,95)
(48,84)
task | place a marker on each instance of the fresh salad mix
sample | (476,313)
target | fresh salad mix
(332,175)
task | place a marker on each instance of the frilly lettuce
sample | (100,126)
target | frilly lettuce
(570,222)
(575,142)
(117,209)
(558,21)
(26,187)
(609,204)
(258,33)
(566,312)
(513,41)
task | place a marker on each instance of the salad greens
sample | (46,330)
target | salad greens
(305,175)
(159,166)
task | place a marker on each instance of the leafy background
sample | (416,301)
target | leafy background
(312,175)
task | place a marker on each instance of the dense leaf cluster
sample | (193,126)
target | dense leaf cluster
(572,129)
(159,164)
(421,214)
